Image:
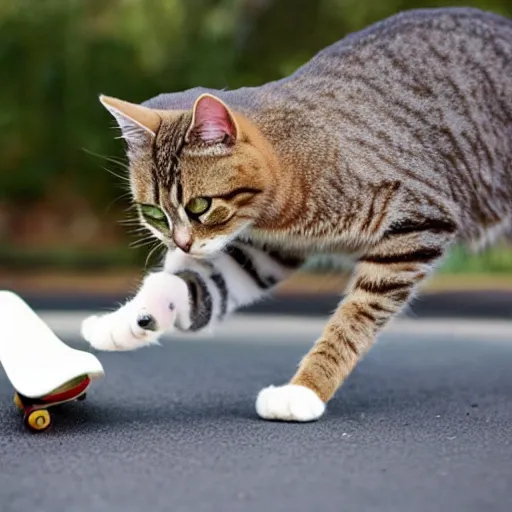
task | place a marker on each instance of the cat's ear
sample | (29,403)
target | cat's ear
(212,122)
(138,124)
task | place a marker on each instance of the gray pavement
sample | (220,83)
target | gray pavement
(484,304)
(424,424)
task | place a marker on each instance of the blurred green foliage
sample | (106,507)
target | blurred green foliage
(56,56)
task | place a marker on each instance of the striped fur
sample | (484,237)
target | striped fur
(390,145)
(240,275)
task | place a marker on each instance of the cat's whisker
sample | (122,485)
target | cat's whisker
(159,245)
(134,221)
(133,225)
(135,228)
(132,208)
(118,199)
(141,245)
(125,179)
(111,159)
(149,239)
(136,232)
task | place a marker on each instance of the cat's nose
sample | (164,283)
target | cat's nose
(185,247)
(182,239)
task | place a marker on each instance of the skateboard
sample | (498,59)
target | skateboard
(42,369)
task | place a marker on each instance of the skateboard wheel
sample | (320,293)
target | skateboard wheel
(38,419)
(82,397)
(17,401)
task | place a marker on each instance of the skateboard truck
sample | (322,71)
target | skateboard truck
(36,414)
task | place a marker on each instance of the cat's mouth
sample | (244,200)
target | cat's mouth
(194,253)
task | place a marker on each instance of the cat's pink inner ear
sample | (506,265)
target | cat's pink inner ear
(212,122)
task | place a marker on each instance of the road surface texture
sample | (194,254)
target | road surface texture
(423,425)
(484,304)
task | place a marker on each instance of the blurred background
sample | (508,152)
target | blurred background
(62,175)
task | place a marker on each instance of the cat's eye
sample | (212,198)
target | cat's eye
(155,216)
(198,205)
(153,212)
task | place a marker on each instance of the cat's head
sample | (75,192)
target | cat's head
(198,177)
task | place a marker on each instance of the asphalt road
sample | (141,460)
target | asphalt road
(484,304)
(423,425)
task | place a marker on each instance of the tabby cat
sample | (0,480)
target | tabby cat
(390,145)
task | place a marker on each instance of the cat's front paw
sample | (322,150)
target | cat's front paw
(289,403)
(120,330)
(161,301)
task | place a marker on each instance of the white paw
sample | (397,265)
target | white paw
(162,299)
(289,403)
(116,331)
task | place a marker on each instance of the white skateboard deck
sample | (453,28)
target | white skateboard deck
(35,360)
